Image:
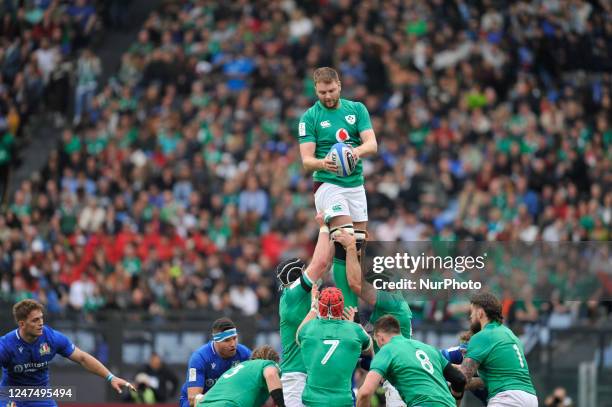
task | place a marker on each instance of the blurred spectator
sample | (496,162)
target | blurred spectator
(182,186)
(159,378)
(558,398)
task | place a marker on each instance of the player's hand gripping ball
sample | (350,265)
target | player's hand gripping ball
(342,155)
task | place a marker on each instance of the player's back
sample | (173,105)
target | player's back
(415,369)
(294,305)
(244,385)
(330,349)
(392,303)
(502,360)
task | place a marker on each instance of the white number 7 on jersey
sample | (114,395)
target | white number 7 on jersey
(334,344)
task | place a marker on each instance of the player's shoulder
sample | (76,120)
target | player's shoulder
(9,337)
(314,109)
(352,104)
(243,351)
(205,351)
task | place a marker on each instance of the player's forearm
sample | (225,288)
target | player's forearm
(353,271)
(313,164)
(93,365)
(320,258)
(368,148)
(363,399)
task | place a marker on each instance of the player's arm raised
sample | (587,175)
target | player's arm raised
(274,385)
(367,389)
(323,252)
(96,367)
(312,314)
(310,163)
(353,269)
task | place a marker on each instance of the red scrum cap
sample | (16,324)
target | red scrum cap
(331,303)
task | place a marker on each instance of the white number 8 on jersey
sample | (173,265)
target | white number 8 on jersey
(425,362)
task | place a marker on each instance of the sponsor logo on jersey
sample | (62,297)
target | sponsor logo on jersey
(342,135)
(20,349)
(210,382)
(325,124)
(45,349)
(213,365)
(192,374)
(29,367)
(302,129)
(350,119)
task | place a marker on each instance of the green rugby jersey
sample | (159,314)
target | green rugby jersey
(392,303)
(293,307)
(326,127)
(502,359)
(244,385)
(331,349)
(415,369)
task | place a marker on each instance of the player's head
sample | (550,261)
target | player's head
(484,308)
(28,315)
(327,86)
(331,303)
(385,328)
(225,337)
(290,270)
(265,352)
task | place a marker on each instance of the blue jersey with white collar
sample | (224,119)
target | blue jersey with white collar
(206,366)
(27,364)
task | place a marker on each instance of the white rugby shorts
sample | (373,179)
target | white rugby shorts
(335,200)
(513,398)
(293,387)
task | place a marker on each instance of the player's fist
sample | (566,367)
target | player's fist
(119,384)
(320,219)
(349,313)
(345,239)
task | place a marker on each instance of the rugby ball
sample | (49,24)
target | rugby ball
(342,155)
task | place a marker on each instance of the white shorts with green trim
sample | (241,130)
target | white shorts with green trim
(335,200)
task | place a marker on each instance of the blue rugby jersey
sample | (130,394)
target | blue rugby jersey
(206,366)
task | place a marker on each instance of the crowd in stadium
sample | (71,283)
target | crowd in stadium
(179,184)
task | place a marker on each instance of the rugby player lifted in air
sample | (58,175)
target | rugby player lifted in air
(342,199)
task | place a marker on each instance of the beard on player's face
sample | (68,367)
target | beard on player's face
(328,94)
(475,327)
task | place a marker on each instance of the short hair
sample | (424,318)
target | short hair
(23,308)
(387,324)
(222,324)
(325,75)
(265,352)
(490,305)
